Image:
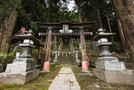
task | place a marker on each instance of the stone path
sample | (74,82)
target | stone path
(65,80)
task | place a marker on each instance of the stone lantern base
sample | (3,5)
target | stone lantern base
(115,77)
(21,71)
(110,70)
(18,78)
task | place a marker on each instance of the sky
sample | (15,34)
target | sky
(71,4)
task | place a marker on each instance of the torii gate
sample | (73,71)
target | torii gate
(65,26)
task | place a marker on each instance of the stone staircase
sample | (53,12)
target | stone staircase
(65,57)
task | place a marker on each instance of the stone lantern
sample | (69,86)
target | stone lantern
(23,69)
(108,68)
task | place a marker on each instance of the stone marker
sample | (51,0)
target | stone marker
(77,59)
(56,57)
(62,54)
(66,54)
(69,53)
(23,69)
(17,55)
(95,48)
(79,46)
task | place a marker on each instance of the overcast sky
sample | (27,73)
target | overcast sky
(71,4)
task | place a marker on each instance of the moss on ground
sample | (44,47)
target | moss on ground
(92,83)
(40,83)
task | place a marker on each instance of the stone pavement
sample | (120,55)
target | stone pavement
(65,80)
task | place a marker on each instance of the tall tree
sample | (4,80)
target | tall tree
(79,10)
(127,22)
(9,25)
(122,36)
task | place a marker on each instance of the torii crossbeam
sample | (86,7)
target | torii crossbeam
(65,26)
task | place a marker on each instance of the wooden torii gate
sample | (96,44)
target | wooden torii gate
(65,26)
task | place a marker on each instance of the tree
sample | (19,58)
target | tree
(126,17)
(78,2)
(9,23)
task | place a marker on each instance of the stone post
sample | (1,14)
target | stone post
(56,57)
(77,59)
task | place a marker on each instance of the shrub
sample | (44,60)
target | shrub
(116,47)
(2,55)
(9,59)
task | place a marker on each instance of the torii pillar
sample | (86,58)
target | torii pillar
(48,49)
(83,51)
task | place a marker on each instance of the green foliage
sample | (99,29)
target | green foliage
(89,47)
(6,7)
(116,47)
(12,84)
(6,59)
(38,10)
(34,26)
(9,59)
(1,56)
(35,54)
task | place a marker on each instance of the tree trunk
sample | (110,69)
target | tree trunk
(7,32)
(129,6)
(127,22)
(122,37)
(79,10)
(99,19)
(109,26)
(82,37)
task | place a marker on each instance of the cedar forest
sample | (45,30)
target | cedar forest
(112,15)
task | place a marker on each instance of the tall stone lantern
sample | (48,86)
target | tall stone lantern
(108,68)
(23,69)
